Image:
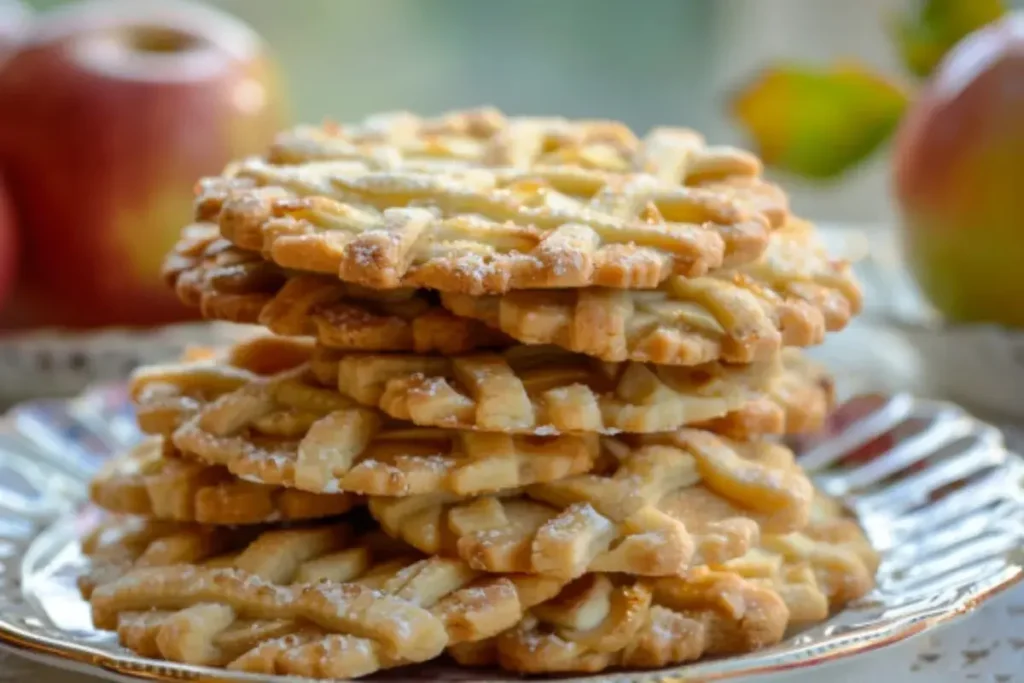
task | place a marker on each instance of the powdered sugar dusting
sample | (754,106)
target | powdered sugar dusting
(573,520)
(363,254)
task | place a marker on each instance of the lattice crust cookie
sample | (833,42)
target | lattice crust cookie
(486,137)
(288,431)
(150,481)
(485,209)
(599,621)
(798,402)
(285,431)
(166,394)
(542,390)
(313,602)
(227,283)
(666,503)
(817,570)
(790,297)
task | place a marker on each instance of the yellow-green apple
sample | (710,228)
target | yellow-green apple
(959,178)
(109,113)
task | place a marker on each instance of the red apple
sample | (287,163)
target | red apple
(959,181)
(8,246)
(14,21)
(109,113)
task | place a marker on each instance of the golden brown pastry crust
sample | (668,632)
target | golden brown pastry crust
(473,202)
(791,296)
(543,390)
(154,481)
(316,601)
(227,283)
(659,505)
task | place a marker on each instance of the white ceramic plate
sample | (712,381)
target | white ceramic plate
(934,488)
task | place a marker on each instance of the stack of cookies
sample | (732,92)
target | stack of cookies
(519,403)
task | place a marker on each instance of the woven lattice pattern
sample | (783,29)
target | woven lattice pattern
(659,505)
(315,601)
(457,204)
(543,390)
(165,395)
(287,431)
(153,480)
(227,283)
(600,621)
(791,296)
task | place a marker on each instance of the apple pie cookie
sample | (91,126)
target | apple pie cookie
(602,621)
(818,569)
(165,394)
(149,481)
(286,431)
(530,203)
(227,283)
(318,601)
(542,390)
(660,505)
(790,296)
(168,396)
(486,137)
(798,401)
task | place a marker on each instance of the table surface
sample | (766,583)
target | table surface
(987,645)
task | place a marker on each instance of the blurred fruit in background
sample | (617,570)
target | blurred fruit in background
(926,35)
(14,20)
(817,123)
(9,245)
(820,122)
(959,181)
(109,113)
(957,153)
